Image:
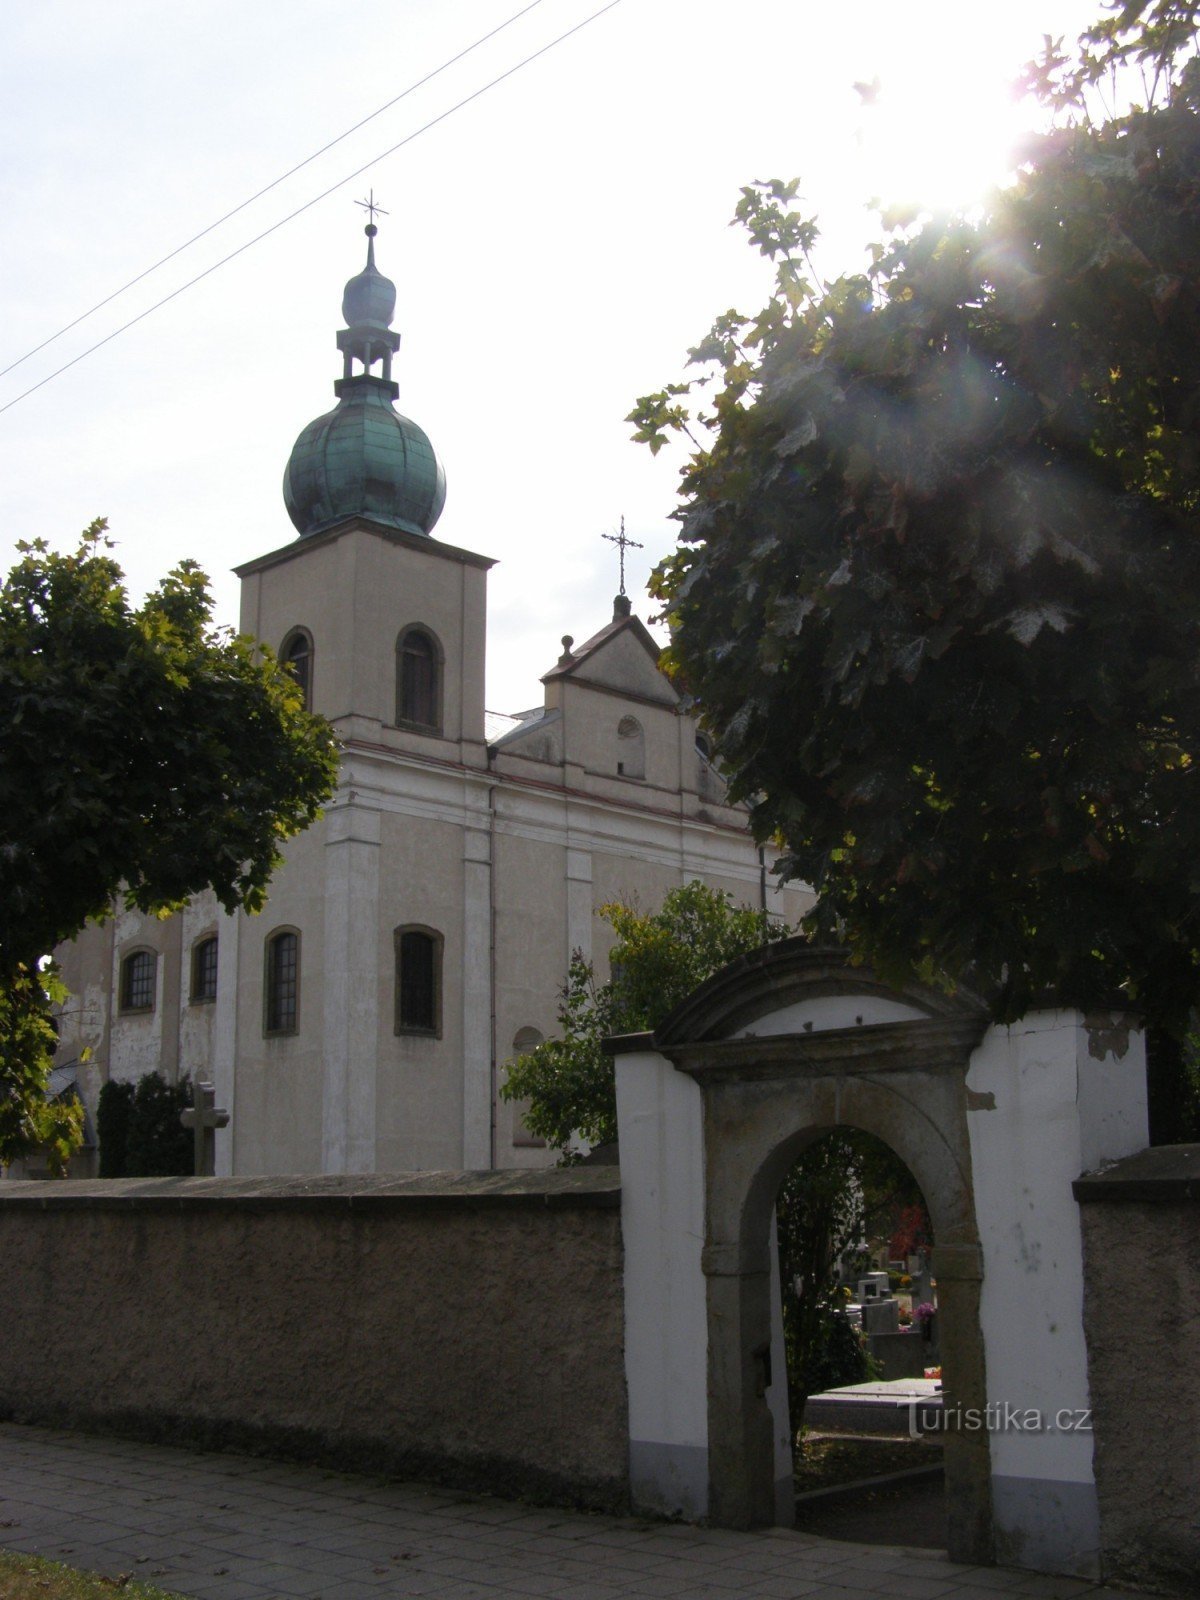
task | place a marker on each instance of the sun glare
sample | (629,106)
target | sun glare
(939,124)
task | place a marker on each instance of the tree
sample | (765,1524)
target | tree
(938,584)
(144,755)
(843,1191)
(657,961)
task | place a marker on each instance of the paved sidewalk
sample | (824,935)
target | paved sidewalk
(235,1528)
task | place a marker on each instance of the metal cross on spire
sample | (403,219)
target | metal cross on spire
(370,207)
(623,543)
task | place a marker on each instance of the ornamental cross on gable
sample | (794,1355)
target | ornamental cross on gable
(623,543)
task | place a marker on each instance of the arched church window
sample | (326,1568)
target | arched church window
(297,657)
(281,982)
(418,680)
(525,1040)
(138,972)
(631,748)
(204,969)
(419,981)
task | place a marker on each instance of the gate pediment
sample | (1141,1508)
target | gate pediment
(793,1004)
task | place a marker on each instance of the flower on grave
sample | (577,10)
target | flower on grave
(934,1372)
(924,1315)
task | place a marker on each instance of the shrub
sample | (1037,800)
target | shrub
(112,1127)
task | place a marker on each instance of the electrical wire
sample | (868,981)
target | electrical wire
(290,173)
(299,211)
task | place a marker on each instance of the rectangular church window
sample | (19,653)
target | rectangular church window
(418,981)
(282,999)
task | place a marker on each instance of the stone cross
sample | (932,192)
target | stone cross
(204,1118)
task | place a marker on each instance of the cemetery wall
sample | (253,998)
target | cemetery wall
(460,1327)
(1141,1238)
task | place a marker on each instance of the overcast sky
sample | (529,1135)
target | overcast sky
(556,246)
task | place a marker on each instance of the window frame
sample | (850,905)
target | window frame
(197,994)
(292,638)
(437,658)
(270,979)
(125,1007)
(400,1027)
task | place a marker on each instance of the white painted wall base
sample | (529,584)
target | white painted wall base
(1050,1098)
(661,1132)
(666,1339)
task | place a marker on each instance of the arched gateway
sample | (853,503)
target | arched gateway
(777,1049)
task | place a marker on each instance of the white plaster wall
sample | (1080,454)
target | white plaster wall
(197,1019)
(1042,1110)
(660,1118)
(350,981)
(136,1038)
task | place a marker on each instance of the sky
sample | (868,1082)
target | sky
(557,245)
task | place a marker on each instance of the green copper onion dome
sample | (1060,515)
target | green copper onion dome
(363,459)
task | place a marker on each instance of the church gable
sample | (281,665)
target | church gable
(622,659)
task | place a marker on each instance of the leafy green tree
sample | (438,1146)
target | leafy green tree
(938,583)
(144,755)
(657,961)
(28,1121)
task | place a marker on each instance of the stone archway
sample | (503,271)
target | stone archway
(785,1045)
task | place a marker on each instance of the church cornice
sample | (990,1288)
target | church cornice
(427,545)
(485,778)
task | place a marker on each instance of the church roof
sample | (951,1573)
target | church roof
(500,730)
(363,458)
(623,621)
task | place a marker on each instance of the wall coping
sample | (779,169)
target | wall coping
(1165,1173)
(556,1188)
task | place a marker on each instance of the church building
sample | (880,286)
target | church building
(418,935)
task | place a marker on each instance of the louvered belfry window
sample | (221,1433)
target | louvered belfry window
(417,675)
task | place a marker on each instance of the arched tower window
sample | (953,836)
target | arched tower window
(281,982)
(138,972)
(631,748)
(418,680)
(418,980)
(297,656)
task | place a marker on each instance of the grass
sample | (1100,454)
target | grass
(30,1578)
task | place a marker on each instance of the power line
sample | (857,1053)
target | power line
(291,172)
(325,193)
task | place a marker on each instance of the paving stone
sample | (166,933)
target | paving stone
(235,1528)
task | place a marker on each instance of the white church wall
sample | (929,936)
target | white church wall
(311,587)
(1043,1108)
(136,1038)
(278,1127)
(591,717)
(420,1090)
(198,920)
